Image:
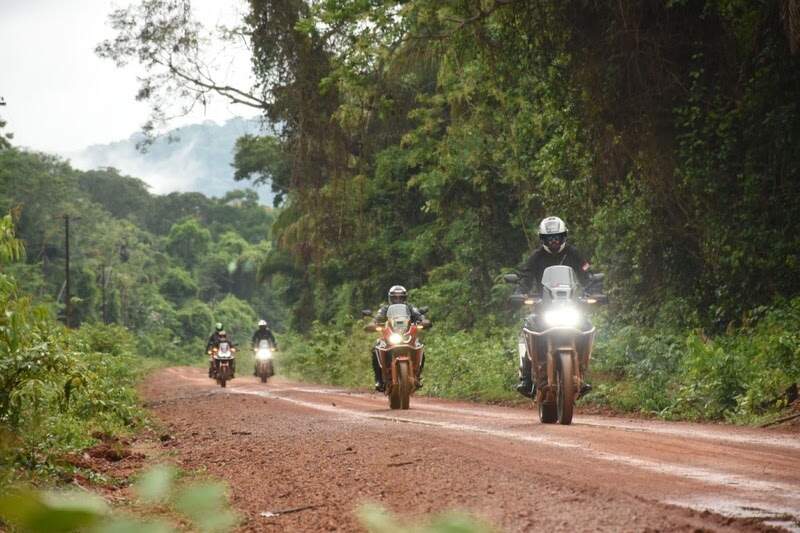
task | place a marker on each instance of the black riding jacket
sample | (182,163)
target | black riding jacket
(264,334)
(214,340)
(532,269)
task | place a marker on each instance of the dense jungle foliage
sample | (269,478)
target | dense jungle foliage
(422,140)
(149,277)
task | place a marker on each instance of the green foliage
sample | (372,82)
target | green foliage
(237,316)
(328,355)
(188,241)
(178,286)
(205,505)
(740,375)
(196,320)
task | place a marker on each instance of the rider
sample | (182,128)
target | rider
(397,295)
(220,335)
(263,333)
(213,341)
(554,250)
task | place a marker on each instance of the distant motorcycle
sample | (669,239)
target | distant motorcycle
(399,353)
(223,362)
(263,360)
(557,341)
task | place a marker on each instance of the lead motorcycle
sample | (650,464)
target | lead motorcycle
(399,352)
(557,339)
(263,360)
(223,362)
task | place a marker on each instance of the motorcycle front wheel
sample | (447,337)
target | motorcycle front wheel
(565,397)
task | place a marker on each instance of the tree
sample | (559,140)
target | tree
(188,242)
(178,286)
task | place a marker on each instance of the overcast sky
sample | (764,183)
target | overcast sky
(60,96)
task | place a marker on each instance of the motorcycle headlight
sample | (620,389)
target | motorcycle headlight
(395,338)
(263,354)
(564,317)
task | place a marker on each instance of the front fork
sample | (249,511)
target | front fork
(389,369)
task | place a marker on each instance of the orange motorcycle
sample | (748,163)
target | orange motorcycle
(223,361)
(400,353)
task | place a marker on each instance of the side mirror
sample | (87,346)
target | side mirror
(511,278)
(426,324)
(517,298)
(424,310)
(366,312)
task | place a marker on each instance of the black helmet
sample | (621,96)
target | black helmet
(553,234)
(398,294)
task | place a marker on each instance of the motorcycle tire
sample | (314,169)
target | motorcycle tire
(565,397)
(395,401)
(263,376)
(404,378)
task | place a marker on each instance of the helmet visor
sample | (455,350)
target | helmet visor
(554,242)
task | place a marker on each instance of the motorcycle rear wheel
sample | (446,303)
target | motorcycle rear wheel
(565,397)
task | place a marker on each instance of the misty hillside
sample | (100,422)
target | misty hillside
(191,158)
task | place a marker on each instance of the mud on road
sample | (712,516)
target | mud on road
(312,455)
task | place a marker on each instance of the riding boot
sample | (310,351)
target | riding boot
(586,387)
(376,369)
(525,385)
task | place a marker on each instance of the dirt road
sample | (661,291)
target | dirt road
(284,446)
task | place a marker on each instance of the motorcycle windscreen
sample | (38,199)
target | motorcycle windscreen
(559,283)
(398,318)
(263,344)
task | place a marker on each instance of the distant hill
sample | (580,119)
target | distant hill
(198,158)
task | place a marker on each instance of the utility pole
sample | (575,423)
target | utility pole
(68,294)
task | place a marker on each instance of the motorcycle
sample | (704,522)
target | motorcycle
(399,353)
(263,360)
(223,360)
(557,339)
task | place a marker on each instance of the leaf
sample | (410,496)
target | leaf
(52,511)
(204,504)
(155,485)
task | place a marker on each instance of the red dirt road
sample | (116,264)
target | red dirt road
(284,445)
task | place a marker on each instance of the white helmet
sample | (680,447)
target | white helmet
(553,234)
(398,294)
(262,323)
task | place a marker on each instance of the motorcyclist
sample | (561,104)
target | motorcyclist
(397,295)
(263,332)
(219,336)
(213,341)
(554,250)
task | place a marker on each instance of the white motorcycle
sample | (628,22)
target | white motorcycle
(263,357)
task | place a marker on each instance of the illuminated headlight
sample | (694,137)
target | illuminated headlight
(564,317)
(395,338)
(264,354)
